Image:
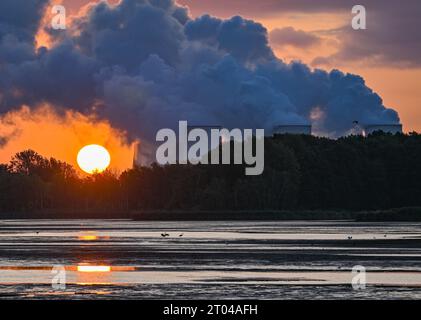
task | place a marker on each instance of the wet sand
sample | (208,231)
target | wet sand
(227,259)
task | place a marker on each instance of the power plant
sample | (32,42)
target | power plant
(144,153)
(367,129)
(386,128)
(136,146)
(293,129)
(211,144)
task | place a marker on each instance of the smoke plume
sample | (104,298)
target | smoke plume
(145,64)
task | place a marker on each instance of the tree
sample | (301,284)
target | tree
(28,162)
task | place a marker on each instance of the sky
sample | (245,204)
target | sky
(395,75)
(88,82)
(392,35)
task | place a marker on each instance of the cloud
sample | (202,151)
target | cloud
(21,18)
(143,65)
(19,21)
(391,37)
(244,39)
(265,8)
(288,36)
(127,34)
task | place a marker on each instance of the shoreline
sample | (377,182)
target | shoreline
(408,214)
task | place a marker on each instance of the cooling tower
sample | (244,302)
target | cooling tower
(212,144)
(292,129)
(136,151)
(386,128)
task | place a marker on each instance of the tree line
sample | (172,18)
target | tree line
(301,172)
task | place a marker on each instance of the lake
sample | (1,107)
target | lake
(123,259)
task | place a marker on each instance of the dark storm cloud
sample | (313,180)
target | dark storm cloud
(19,20)
(246,40)
(292,37)
(127,34)
(62,76)
(144,65)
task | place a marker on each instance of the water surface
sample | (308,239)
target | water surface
(122,259)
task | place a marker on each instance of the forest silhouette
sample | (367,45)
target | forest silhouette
(302,172)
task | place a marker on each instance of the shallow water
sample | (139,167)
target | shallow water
(265,260)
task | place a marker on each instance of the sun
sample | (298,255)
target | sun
(93,158)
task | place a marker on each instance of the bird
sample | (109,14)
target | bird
(164,235)
(181,235)
(349,238)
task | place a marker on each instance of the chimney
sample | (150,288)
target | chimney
(136,160)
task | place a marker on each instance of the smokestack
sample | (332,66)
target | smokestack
(208,129)
(357,129)
(136,158)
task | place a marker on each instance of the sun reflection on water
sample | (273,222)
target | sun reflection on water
(86,268)
(92,236)
(88,237)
